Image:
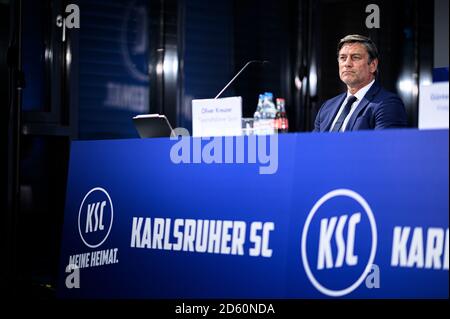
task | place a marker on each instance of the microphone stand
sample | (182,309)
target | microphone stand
(240,71)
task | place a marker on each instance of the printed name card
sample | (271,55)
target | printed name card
(433,106)
(217,117)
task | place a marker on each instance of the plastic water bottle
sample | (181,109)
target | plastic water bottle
(257,115)
(268,114)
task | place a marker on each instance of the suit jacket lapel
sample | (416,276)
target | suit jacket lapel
(334,111)
(362,105)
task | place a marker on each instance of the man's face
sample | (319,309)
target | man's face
(354,67)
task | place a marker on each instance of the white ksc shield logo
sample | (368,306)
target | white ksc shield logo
(95,217)
(339,242)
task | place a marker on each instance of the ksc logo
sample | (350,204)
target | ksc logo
(95,217)
(339,242)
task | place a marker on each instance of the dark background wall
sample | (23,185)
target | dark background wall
(6,245)
(114,71)
(220,37)
(208,52)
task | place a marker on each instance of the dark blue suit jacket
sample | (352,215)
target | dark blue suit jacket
(379,109)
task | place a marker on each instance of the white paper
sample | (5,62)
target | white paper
(217,117)
(433,106)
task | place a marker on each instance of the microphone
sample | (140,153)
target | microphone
(240,71)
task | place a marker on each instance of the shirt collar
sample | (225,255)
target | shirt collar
(360,94)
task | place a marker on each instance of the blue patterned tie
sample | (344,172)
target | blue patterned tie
(337,126)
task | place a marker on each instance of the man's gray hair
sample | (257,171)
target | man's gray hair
(367,42)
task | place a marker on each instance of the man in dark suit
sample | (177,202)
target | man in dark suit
(365,105)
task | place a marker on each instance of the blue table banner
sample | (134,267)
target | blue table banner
(353,215)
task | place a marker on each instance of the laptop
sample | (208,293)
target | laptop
(153,125)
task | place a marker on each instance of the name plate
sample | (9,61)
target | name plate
(433,106)
(217,117)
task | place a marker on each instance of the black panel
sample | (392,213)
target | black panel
(6,244)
